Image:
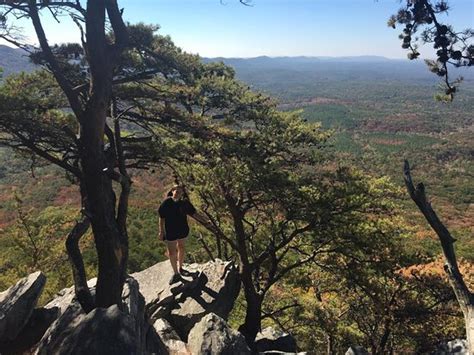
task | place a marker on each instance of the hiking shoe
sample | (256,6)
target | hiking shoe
(175,278)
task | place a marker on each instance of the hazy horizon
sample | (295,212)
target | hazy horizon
(9,45)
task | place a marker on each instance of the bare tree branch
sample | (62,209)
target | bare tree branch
(52,62)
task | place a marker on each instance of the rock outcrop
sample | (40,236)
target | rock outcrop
(102,331)
(453,347)
(357,350)
(271,339)
(154,317)
(205,288)
(70,315)
(73,324)
(17,305)
(212,335)
(31,333)
(171,339)
(134,307)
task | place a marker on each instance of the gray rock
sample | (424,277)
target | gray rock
(58,333)
(171,339)
(31,333)
(154,280)
(357,350)
(277,352)
(271,339)
(65,297)
(212,335)
(71,320)
(70,314)
(453,347)
(134,306)
(17,304)
(102,331)
(154,344)
(211,287)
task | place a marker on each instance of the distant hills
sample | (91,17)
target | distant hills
(295,70)
(303,78)
(302,59)
(345,68)
(14,60)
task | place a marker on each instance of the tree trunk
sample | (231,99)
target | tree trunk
(101,203)
(101,17)
(464,296)
(329,344)
(123,237)
(81,289)
(469,319)
(465,300)
(385,338)
(253,315)
(125,183)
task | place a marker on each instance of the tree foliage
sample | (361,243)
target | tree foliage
(453,48)
(274,198)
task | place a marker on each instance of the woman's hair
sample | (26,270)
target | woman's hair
(175,187)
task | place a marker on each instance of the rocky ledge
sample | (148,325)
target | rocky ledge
(154,318)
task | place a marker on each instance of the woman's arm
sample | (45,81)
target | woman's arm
(162,212)
(189,208)
(161,228)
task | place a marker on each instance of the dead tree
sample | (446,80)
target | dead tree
(463,295)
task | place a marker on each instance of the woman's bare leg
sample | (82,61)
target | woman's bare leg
(173,255)
(181,252)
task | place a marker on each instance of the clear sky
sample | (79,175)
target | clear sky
(226,28)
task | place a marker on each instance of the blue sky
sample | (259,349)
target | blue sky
(271,27)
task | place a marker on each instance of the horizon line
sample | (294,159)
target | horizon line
(312,56)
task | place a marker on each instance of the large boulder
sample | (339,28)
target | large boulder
(17,304)
(169,337)
(134,306)
(357,350)
(154,280)
(73,324)
(70,314)
(204,288)
(212,335)
(66,296)
(102,332)
(34,329)
(453,347)
(270,339)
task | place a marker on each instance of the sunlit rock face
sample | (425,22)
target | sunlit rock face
(154,317)
(204,288)
(17,305)
(212,335)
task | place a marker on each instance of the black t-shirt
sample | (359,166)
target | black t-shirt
(175,216)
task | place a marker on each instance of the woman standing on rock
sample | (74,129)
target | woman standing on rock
(174,229)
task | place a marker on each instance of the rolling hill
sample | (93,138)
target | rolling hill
(13,60)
